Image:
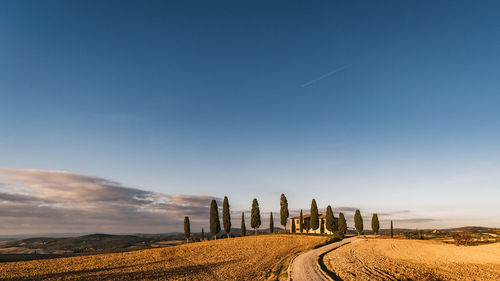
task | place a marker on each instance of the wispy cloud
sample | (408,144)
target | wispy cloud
(326,75)
(415,220)
(34,201)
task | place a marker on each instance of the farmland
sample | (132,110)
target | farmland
(245,258)
(402,259)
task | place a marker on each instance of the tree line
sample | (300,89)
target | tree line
(255,220)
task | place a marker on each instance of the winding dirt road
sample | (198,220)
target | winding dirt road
(305,266)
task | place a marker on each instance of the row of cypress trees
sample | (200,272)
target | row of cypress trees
(255,219)
(358,223)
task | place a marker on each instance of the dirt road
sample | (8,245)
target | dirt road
(305,266)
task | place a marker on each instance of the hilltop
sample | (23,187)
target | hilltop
(242,258)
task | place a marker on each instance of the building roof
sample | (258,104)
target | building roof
(321,216)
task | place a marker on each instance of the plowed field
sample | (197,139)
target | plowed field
(392,259)
(246,258)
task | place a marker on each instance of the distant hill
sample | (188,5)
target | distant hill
(97,242)
(34,235)
(93,242)
(476,229)
(90,242)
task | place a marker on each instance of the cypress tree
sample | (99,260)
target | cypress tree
(255,219)
(293,226)
(202,234)
(271,223)
(330,221)
(301,222)
(226,216)
(214,219)
(342,223)
(307,225)
(187,228)
(375,224)
(358,222)
(243,227)
(335,223)
(392,230)
(283,211)
(314,215)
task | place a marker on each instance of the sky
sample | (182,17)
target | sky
(125,116)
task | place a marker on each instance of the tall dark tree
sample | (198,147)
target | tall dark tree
(283,211)
(301,222)
(255,218)
(226,216)
(375,224)
(392,230)
(271,223)
(358,222)
(187,228)
(294,227)
(342,223)
(243,226)
(335,223)
(314,215)
(202,234)
(330,219)
(307,225)
(214,219)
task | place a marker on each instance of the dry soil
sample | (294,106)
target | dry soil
(246,258)
(397,259)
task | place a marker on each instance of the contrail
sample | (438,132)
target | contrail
(324,76)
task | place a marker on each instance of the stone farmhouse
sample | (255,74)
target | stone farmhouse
(295,224)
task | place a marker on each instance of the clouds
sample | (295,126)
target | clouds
(35,201)
(68,187)
(41,201)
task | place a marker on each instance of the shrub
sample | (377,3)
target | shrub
(337,236)
(462,238)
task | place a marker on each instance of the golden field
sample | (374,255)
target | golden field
(397,259)
(244,258)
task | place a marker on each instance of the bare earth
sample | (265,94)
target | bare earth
(393,259)
(246,258)
(305,266)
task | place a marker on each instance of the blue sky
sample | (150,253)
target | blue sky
(223,98)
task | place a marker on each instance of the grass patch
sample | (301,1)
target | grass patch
(280,270)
